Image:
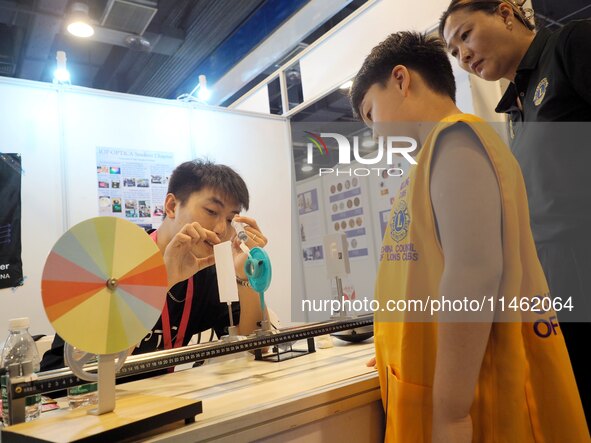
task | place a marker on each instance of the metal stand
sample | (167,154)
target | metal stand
(341,296)
(353,335)
(106,385)
(232,335)
(287,354)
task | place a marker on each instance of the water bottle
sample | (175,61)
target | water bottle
(82,395)
(20,360)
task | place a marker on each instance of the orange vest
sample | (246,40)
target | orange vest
(526,390)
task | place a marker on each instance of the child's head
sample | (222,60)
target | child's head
(388,69)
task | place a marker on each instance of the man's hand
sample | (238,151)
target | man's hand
(189,252)
(255,239)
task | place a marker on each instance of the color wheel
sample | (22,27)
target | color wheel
(104,285)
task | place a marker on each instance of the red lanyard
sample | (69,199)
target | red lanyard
(166,332)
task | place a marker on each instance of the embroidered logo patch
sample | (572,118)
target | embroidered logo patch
(541,91)
(400,222)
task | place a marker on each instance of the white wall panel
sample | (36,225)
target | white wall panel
(257,102)
(29,125)
(114,121)
(464,95)
(340,56)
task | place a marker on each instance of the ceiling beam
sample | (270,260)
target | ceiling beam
(276,46)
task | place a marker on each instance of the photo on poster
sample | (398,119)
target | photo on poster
(131,208)
(116,205)
(144,208)
(158,210)
(307,202)
(313,253)
(104,204)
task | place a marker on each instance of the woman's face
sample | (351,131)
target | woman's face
(483,43)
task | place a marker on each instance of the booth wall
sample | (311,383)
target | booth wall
(339,57)
(57,132)
(29,125)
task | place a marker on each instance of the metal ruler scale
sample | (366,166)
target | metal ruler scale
(138,364)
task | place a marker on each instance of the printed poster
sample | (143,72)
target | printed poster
(132,184)
(11,265)
(310,226)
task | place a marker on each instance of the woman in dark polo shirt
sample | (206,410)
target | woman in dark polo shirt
(548,103)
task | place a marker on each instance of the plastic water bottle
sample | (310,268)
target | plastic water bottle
(20,359)
(82,395)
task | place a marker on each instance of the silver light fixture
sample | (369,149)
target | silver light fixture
(79,23)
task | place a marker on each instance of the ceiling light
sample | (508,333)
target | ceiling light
(347,85)
(61,74)
(307,168)
(79,21)
(203,94)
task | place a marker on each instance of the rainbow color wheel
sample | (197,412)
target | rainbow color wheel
(104,285)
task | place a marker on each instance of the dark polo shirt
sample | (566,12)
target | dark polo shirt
(550,135)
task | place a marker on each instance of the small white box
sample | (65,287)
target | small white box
(336,250)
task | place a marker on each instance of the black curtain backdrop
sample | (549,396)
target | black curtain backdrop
(11,265)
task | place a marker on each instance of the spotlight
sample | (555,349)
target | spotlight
(203,93)
(79,21)
(61,74)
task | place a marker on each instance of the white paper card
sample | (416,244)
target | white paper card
(224,265)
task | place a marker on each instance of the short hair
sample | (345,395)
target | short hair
(489,7)
(195,175)
(418,52)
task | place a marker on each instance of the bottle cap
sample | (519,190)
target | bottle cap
(18,323)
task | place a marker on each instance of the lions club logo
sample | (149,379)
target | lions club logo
(541,91)
(400,222)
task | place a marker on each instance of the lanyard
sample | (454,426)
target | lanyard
(166,331)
